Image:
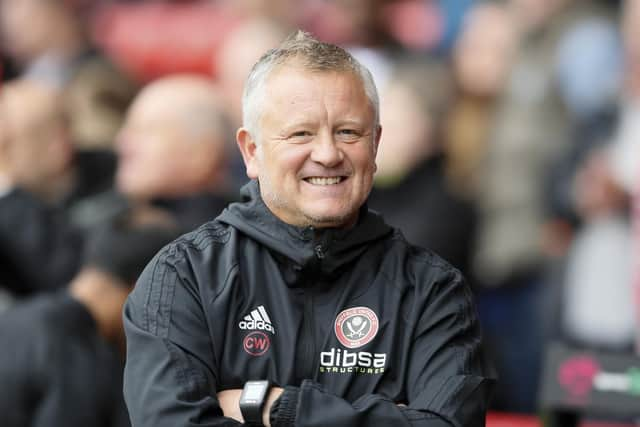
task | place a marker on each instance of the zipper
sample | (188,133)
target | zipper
(308,366)
(309,334)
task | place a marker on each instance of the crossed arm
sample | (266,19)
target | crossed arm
(229,401)
(171,379)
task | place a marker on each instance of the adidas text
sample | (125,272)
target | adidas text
(256,325)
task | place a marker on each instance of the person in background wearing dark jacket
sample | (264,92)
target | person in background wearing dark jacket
(62,353)
(300,306)
(411,189)
(44,180)
(173,150)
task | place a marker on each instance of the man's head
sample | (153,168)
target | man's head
(243,46)
(36,151)
(483,53)
(415,102)
(310,132)
(32,28)
(173,140)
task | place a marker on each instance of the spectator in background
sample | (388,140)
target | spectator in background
(242,48)
(63,354)
(589,233)
(47,38)
(481,61)
(173,150)
(44,182)
(529,133)
(626,149)
(96,99)
(48,41)
(631,105)
(410,188)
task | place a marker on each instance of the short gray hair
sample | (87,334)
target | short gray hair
(311,54)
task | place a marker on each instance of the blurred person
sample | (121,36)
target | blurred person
(356,25)
(600,252)
(96,100)
(529,133)
(63,353)
(631,32)
(47,38)
(242,47)
(348,23)
(44,182)
(173,152)
(49,41)
(625,153)
(481,62)
(410,189)
(621,169)
(589,71)
(300,288)
(588,207)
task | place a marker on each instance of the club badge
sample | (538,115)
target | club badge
(356,326)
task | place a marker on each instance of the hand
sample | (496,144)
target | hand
(595,190)
(229,401)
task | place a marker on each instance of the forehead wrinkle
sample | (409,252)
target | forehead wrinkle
(327,98)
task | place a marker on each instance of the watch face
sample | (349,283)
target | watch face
(254,392)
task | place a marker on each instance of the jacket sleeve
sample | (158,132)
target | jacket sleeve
(38,246)
(170,372)
(448,382)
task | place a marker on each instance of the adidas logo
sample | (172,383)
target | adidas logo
(257,320)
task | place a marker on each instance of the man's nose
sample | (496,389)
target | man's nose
(326,150)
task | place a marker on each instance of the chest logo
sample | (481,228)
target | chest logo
(258,319)
(355,327)
(256,343)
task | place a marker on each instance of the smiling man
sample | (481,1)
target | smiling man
(299,306)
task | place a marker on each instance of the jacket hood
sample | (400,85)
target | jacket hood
(325,250)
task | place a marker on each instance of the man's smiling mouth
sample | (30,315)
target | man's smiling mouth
(325,180)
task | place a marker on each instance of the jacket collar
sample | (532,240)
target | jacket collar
(323,251)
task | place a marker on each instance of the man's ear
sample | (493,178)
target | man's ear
(249,150)
(376,142)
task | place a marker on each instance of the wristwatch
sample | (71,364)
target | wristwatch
(252,401)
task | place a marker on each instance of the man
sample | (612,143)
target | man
(172,149)
(62,357)
(43,181)
(301,285)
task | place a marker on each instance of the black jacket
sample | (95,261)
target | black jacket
(56,370)
(350,322)
(41,244)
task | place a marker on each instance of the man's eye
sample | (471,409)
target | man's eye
(348,134)
(300,134)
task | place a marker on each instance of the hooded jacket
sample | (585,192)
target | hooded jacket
(351,322)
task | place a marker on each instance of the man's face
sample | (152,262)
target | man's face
(149,151)
(161,153)
(315,158)
(18,15)
(35,148)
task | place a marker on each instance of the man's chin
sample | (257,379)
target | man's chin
(332,219)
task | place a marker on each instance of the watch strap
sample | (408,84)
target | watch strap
(252,409)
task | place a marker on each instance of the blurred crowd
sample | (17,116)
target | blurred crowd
(507,148)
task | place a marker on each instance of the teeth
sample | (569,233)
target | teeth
(316,180)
